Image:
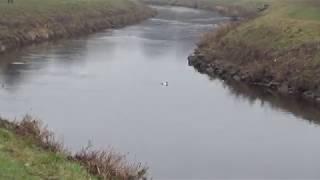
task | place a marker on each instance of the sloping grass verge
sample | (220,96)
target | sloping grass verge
(30,151)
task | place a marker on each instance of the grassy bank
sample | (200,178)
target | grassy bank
(29,151)
(30,21)
(278,49)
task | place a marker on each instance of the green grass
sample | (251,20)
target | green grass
(286,24)
(22,159)
(304,12)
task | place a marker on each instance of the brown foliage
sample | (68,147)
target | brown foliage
(107,164)
(32,128)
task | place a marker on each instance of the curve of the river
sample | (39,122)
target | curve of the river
(107,88)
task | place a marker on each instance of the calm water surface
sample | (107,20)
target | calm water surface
(107,88)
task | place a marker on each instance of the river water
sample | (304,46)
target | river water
(106,88)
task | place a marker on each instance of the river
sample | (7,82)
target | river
(106,88)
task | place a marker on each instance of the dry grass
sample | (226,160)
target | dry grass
(29,127)
(108,164)
(100,163)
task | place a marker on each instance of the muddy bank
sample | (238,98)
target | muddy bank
(65,21)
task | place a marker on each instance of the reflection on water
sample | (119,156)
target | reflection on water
(301,108)
(107,88)
(17,67)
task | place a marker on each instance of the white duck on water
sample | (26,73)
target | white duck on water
(166,83)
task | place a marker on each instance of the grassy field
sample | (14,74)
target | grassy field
(28,21)
(287,23)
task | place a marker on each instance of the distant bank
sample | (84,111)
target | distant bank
(26,22)
(272,43)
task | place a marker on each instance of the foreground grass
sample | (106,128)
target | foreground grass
(21,159)
(30,151)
